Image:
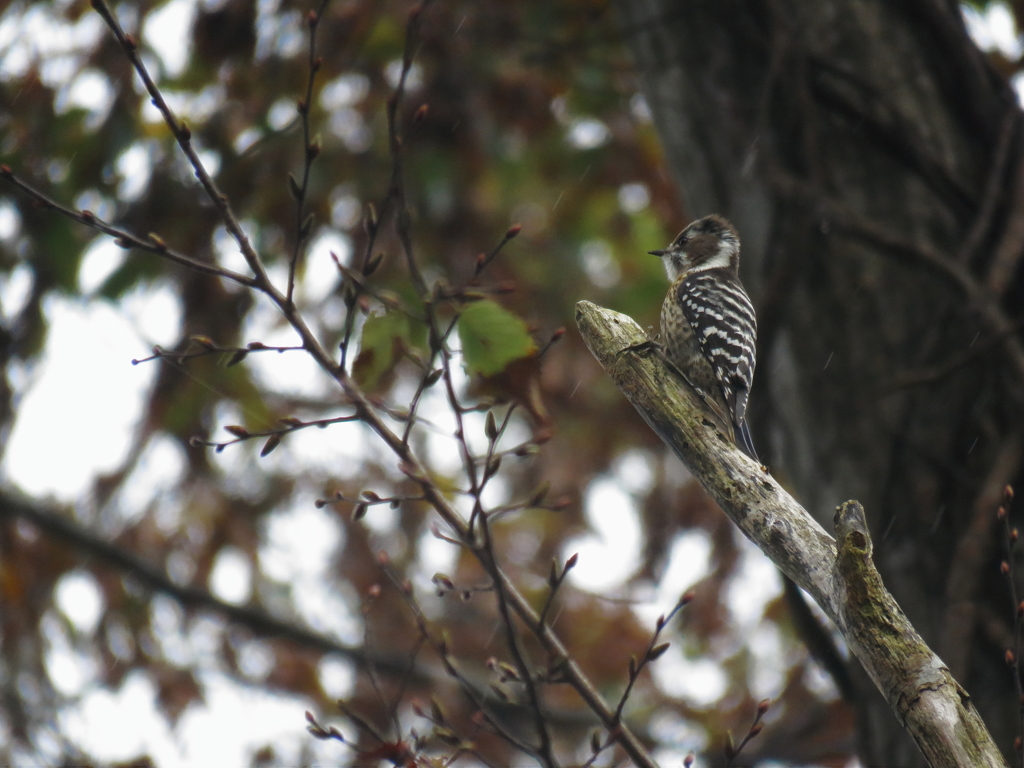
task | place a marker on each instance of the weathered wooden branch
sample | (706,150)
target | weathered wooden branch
(934,709)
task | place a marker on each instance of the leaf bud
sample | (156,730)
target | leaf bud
(373,263)
(658,651)
(537,497)
(239,356)
(272,442)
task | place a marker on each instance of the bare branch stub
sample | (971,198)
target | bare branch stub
(934,709)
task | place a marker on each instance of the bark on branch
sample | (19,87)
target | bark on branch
(922,693)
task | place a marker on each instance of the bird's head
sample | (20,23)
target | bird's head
(708,243)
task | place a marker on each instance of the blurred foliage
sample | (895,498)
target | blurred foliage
(532,117)
(381,346)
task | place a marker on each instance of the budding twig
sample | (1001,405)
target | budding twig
(653,652)
(151,244)
(731,750)
(183,135)
(486,258)
(273,436)
(1010,537)
(208,347)
(311,149)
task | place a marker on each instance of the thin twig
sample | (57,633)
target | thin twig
(941,371)
(490,462)
(310,150)
(389,301)
(209,347)
(151,244)
(545,751)
(291,425)
(994,184)
(363,409)
(980,298)
(732,751)
(652,653)
(397,187)
(1010,537)
(183,135)
(486,258)
(429,378)
(444,653)
(396,195)
(555,580)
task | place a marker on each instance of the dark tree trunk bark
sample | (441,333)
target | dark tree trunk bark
(873,163)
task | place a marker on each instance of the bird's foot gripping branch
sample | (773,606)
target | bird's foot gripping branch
(838,573)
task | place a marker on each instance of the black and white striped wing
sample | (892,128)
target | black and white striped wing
(723,321)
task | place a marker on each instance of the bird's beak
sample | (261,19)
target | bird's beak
(657,253)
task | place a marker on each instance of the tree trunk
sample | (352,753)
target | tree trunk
(872,161)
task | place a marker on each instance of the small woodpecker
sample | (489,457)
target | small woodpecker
(708,328)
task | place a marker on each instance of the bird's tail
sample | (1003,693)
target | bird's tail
(743,441)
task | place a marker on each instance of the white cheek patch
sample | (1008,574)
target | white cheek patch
(723,256)
(674,265)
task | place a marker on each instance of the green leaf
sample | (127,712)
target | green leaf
(492,337)
(380,348)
